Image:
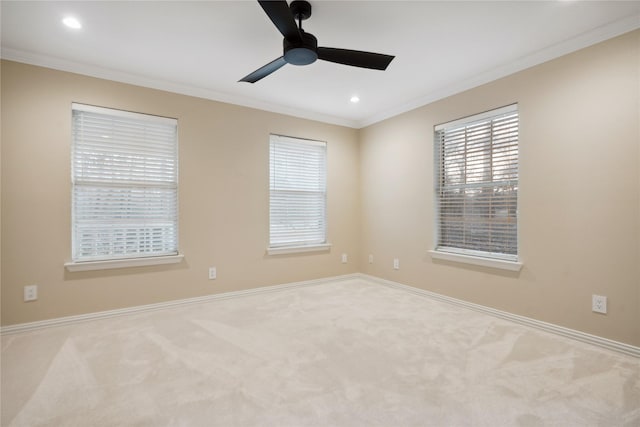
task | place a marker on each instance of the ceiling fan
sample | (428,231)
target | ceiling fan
(301,48)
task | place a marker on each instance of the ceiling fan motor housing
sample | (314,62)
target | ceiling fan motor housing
(301,48)
(302,52)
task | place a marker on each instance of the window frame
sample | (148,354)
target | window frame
(296,246)
(486,258)
(129,186)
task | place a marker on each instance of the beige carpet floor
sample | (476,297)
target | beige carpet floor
(348,353)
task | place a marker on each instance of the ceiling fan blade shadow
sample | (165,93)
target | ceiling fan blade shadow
(264,71)
(280,15)
(356,58)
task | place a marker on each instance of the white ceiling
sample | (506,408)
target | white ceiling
(203,48)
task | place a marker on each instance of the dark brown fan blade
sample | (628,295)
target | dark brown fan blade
(280,15)
(264,71)
(356,58)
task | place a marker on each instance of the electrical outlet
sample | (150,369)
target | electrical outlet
(370,259)
(599,304)
(396,264)
(344,258)
(212,273)
(31,293)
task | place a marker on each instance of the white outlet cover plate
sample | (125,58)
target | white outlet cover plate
(599,304)
(31,293)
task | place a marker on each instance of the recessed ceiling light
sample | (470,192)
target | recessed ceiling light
(355,99)
(72,22)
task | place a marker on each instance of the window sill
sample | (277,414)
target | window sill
(298,249)
(122,263)
(476,260)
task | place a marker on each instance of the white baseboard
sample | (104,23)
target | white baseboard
(24,327)
(527,321)
(548,327)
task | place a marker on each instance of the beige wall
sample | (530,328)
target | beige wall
(579,201)
(223,195)
(579,195)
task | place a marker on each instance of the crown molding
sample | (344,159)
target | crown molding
(574,44)
(75,67)
(582,41)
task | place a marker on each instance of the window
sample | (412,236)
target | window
(297,194)
(124,185)
(476,164)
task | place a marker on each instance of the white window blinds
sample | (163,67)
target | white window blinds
(297,213)
(477,184)
(125,184)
